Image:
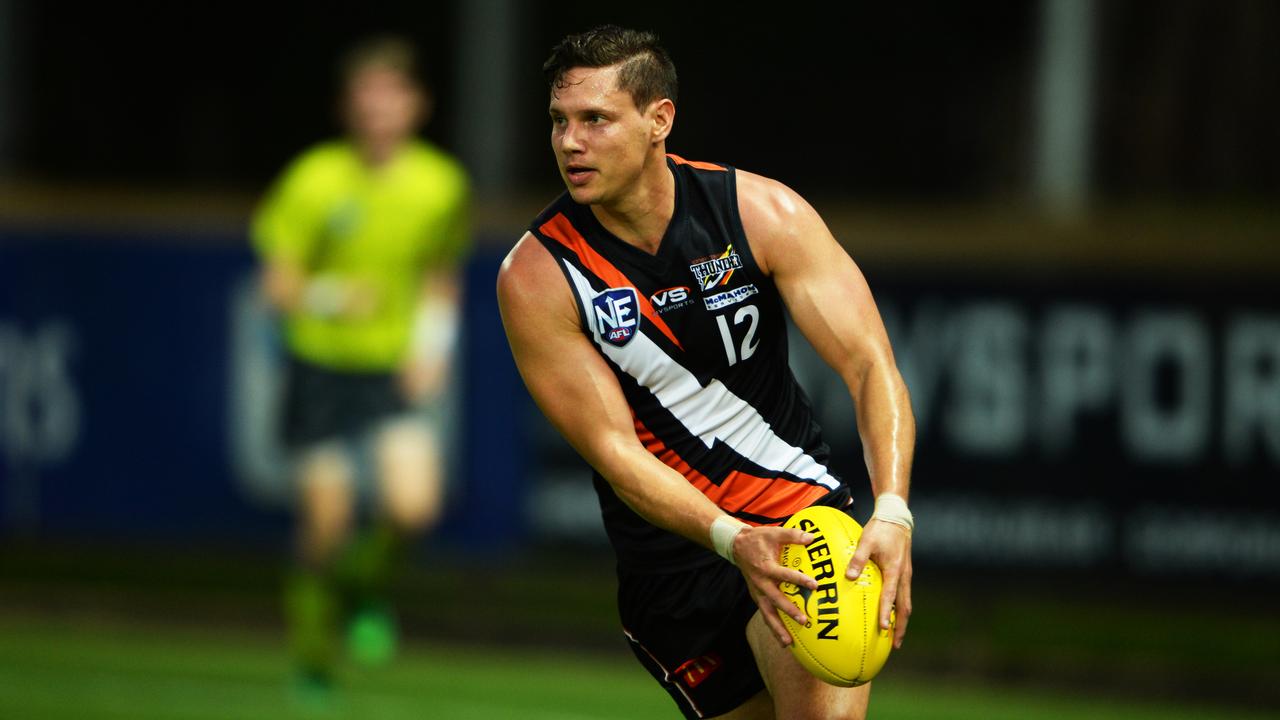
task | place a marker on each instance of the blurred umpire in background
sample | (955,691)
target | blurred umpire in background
(361,240)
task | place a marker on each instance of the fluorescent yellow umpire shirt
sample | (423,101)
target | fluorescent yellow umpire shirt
(333,215)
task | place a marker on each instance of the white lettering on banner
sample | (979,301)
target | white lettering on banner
(1003,532)
(1077,351)
(1236,543)
(39,413)
(39,405)
(988,413)
(1252,400)
(1162,344)
(1062,534)
(558,506)
(991,378)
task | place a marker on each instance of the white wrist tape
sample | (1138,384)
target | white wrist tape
(324,296)
(724,530)
(891,508)
(435,331)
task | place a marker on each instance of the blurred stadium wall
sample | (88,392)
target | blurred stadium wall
(1067,211)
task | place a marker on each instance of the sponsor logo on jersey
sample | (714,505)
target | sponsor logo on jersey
(716,270)
(617,315)
(672,298)
(694,671)
(729,297)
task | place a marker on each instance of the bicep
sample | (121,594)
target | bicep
(580,396)
(831,304)
(823,289)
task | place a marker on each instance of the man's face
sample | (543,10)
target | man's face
(382,105)
(600,138)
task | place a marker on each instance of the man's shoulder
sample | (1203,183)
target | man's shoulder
(527,272)
(768,202)
(326,154)
(321,163)
(774,216)
(751,188)
(431,159)
(760,188)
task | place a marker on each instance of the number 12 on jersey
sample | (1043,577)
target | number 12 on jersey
(749,315)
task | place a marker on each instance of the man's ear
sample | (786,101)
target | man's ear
(662,114)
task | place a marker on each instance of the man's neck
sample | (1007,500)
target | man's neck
(377,154)
(640,218)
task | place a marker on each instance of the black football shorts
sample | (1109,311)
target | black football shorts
(324,405)
(689,630)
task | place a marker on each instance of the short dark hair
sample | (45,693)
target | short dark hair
(647,72)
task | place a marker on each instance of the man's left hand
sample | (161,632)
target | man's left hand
(889,545)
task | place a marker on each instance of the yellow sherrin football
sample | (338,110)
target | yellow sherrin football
(842,643)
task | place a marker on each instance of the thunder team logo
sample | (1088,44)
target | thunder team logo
(716,270)
(617,315)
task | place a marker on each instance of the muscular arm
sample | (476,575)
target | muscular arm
(830,302)
(579,394)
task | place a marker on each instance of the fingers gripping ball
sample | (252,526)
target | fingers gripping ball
(842,643)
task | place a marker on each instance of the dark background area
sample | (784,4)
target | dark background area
(913,99)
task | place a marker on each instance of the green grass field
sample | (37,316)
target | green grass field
(86,668)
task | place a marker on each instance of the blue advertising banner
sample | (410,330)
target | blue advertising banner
(1098,423)
(1106,422)
(138,380)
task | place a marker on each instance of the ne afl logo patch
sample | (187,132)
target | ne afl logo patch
(617,315)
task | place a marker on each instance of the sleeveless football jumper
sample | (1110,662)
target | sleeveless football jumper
(697,337)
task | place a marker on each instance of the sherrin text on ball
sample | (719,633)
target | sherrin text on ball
(842,642)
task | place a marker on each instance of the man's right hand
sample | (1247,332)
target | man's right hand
(757,550)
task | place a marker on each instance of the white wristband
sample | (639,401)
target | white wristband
(891,508)
(723,531)
(324,296)
(435,331)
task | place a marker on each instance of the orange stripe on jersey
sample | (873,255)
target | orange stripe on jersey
(785,500)
(562,231)
(694,163)
(767,497)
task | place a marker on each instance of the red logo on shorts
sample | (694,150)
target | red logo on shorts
(696,670)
